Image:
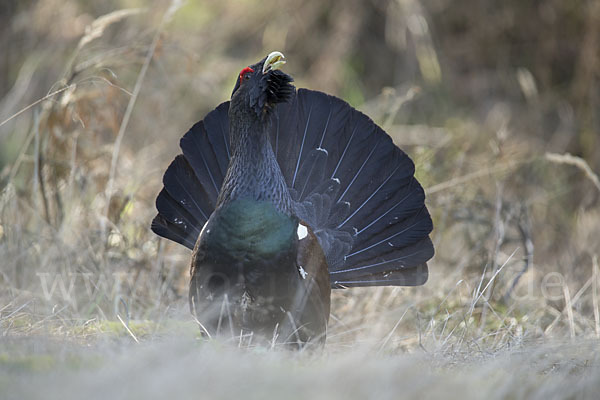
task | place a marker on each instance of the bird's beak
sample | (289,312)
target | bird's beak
(274,61)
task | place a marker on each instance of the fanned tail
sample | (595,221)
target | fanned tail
(357,191)
(350,183)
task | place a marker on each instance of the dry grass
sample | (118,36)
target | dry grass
(92,303)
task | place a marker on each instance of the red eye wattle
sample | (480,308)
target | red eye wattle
(244,72)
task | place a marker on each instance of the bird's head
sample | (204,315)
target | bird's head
(261,86)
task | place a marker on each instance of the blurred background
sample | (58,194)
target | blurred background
(497,103)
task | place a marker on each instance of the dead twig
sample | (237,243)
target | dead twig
(595,294)
(127,328)
(496,169)
(576,162)
(46,97)
(569,307)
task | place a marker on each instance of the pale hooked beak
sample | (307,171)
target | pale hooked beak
(274,61)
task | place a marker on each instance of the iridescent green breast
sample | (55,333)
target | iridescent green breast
(247,229)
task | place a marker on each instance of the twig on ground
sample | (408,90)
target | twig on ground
(127,328)
(389,335)
(569,308)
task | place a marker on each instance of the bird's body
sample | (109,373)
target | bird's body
(251,252)
(283,195)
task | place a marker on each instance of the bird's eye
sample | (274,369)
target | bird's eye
(245,74)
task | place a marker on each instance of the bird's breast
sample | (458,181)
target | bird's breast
(247,230)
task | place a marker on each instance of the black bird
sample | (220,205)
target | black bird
(283,195)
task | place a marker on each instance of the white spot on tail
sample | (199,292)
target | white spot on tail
(303,273)
(302,231)
(180,222)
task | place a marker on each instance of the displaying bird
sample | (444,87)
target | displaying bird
(283,194)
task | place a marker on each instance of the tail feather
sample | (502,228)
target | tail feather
(216,124)
(415,276)
(350,183)
(171,231)
(205,146)
(172,214)
(193,180)
(396,236)
(197,150)
(391,206)
(182,184)
(378,203)
(313,170)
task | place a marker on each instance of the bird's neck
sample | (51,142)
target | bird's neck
(253,171)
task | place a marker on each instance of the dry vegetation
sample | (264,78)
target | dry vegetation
(499,114)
